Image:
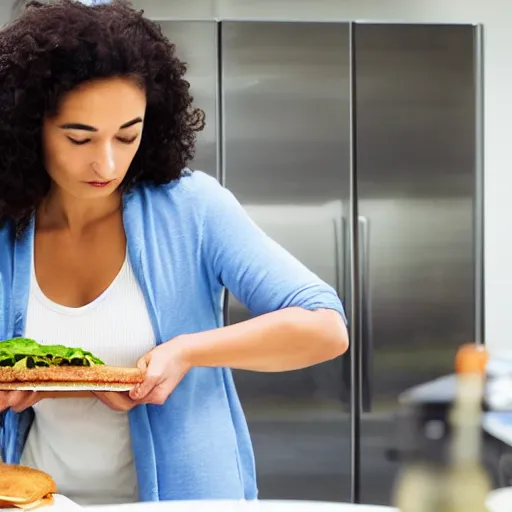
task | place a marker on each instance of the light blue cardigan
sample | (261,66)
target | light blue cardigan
(186,241)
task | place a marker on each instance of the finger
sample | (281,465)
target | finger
(18,399)
(29,399)
(4,400)
(115,400)
(106,398)
(159,394)
(15,397)
(101,396)
(140,391)
(152,378)
(124,402)
(142,363)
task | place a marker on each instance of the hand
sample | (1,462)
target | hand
(118,401)
(18,400)
(164,367)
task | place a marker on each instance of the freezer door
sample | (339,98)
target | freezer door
(415,114)
(285,94)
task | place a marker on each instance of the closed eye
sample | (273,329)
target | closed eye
(85,141)
(127,141)
(79,142)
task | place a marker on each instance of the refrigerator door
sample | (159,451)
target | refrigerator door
(196,45)
(285,95)
(415,112)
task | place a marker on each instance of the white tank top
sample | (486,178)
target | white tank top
(84,445)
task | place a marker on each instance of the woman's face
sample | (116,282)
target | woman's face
(91,141)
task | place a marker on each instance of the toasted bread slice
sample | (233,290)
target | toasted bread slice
(100,374)
(43,502)
(23,487)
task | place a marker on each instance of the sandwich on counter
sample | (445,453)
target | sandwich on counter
(25,488)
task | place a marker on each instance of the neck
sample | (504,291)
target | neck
(61,211)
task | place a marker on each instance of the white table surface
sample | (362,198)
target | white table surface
(500,500)
(240,506)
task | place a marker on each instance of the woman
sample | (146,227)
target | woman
(110,243)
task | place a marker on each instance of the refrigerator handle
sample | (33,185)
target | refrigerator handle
(365,338)
(365,328)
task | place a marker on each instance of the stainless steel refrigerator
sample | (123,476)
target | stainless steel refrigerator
(335,134)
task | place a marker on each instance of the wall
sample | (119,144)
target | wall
(5,11)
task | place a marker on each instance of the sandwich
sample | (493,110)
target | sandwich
(27,365)
(25,488)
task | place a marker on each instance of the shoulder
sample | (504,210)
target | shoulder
(191,186)
(196,186)
(191,195)
(186,203)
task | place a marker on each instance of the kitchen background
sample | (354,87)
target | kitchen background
(297,105)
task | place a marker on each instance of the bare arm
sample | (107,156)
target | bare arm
(21,400)
(283,340)
(298,319)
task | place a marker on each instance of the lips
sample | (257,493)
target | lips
(99,184)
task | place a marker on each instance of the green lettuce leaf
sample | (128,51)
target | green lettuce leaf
(27,353)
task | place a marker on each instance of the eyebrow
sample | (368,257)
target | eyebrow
(87,128)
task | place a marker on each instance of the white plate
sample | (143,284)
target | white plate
(60,504)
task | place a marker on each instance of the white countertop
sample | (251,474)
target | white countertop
(236,506)
(499,500)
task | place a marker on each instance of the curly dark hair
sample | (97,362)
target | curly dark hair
(53,47)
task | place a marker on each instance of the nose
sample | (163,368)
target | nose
(104,164)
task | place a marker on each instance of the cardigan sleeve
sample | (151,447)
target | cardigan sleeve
(260,273)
